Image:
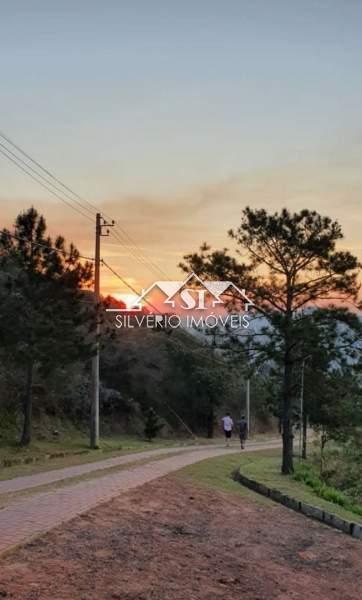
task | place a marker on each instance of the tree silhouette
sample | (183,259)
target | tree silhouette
(291,264)
(44,321)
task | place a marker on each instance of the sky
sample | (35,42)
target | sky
(173,116)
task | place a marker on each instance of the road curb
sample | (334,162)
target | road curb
(313,512)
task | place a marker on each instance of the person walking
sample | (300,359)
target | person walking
(228,425)
(243,431)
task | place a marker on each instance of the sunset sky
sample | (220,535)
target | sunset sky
(172,116)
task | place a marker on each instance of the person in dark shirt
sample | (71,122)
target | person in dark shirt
(243,431)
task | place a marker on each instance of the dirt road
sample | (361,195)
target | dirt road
(53,475)
(23,519)
(172,540)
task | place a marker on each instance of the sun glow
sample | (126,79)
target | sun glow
(128,299)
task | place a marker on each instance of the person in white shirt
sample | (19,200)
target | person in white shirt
(228,425)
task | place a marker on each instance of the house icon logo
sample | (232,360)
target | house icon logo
(191,294)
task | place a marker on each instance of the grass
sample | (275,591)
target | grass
(215,473)
(75,445)
(306,473)
(72,443)
(69,442)
(264,467)
(10,497)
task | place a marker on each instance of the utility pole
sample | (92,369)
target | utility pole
(94,424)
(301,416)
(248,404)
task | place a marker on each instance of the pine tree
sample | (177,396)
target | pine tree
(43,320)
(292,263)
(152,424)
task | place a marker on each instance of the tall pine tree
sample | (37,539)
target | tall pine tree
(44,321)
(291,264)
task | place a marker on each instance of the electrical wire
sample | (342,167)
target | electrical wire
(43,178)
(138,256)
(63,252)
(49,173)
(45,186)
(128,285)
(119,233)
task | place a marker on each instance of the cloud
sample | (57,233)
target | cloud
(165,227)
(207,211)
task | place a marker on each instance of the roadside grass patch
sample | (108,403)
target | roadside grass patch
(305,473)
(8,498)
(263,466)
(216,473)
(75,449)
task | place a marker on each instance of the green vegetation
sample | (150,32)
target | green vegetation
(45,325)
(47,316)
(72,449)
(263,466)
(153,426)
(9,497)
(336,462)
(305,473)
(47,337)
(291,262)
(216,473)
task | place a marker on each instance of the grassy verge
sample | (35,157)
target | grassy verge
(306,473)
(216,473)
(10,497)
(75,446)
(71,442)
(264,467)
(76,451)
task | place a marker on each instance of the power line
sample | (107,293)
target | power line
(119,234)
(50,186)
(140,253)
(211,359)
(128,284)
(43,178)
(45,186)
(49,173)
(137,251)
(64,252)
(138,256)
(133,246)
(25,168)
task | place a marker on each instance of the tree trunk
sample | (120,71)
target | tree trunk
(28,406)
(324,440)
(304,444)
(210,424)
(287,464)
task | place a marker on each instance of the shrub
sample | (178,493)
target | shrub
(152,424)
(306,474)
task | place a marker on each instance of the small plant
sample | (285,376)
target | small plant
(152,425)
(306,474)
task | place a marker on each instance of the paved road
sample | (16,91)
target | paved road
(32,481)
(31,516)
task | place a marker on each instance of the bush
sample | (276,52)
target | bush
(305,473)
(152,424)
